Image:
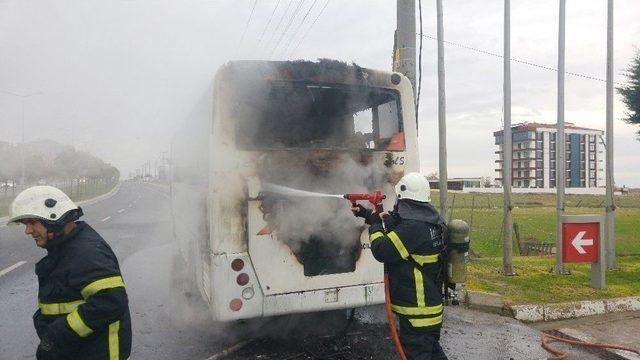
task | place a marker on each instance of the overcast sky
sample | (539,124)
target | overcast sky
(117,77)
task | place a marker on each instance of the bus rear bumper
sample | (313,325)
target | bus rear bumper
(325,299)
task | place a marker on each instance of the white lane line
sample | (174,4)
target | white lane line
(130,205)
(12,267)
(120,211)
(107,218)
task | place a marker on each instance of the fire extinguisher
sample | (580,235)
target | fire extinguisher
(457,259)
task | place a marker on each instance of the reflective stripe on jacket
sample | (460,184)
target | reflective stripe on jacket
(411,253)
(82,301)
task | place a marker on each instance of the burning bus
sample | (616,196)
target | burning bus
(250,244)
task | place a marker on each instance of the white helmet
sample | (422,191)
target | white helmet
(414,186)
(45,203)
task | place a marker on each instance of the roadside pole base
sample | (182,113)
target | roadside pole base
(507,270)
(561,270)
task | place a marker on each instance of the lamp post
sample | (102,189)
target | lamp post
(23,98)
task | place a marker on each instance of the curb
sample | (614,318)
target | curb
(101,197)
(485,301)
(530,313)
(575,309)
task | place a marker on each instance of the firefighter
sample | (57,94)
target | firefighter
(83,311)
(410,244)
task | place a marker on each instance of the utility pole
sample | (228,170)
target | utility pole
(610,219)
(507,148)
(404,61)
(404,52)
(442,116)
(560,142)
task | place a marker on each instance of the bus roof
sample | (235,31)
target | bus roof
(321,71)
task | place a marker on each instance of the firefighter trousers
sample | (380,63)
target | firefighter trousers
(420,344)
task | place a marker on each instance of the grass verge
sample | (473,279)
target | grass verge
(536,284)
(536,216)
(539,223)
(76,193)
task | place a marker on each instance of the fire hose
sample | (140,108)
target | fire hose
(375,199)
(390,317)
(560,355)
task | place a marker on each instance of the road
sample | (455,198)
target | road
(135,222)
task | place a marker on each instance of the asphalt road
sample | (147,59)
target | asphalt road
(135,222)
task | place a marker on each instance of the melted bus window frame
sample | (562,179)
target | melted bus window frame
(248,104)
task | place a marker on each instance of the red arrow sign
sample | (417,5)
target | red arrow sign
(580,242)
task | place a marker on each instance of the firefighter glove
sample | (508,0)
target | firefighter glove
(391,220)
(373,218)
(361,211)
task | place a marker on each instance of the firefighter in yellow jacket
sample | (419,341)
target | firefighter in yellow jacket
(83,310)
(410,244)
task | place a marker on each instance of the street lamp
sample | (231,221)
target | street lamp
(23,97)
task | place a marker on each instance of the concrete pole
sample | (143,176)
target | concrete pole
(405,51)
(507,152)
(610,211)
(442,115)
(22,147)
(560,142)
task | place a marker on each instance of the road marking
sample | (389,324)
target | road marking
(120,211)
(107,218)
(12,267)
(130,205)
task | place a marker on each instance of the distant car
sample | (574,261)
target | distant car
(7,185)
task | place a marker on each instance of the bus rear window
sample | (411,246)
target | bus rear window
(295,115)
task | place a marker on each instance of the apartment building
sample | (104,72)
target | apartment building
(534,154)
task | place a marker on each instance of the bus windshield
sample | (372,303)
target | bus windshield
(279,115)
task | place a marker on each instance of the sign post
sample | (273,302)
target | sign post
(582,241)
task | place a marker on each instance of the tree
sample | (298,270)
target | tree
(433,176)
(486,181)
(631,92)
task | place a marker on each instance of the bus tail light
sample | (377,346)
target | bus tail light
(242,279)
(237,264)
(235,304)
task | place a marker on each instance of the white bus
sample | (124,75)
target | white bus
(324,127)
